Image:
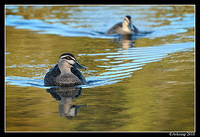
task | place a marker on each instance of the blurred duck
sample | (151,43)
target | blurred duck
(125,27)
(65,73)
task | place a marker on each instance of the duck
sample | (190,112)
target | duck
(65,72)
(124,28)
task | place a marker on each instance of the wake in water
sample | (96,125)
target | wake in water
(135,58)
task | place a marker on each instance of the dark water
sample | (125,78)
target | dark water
(140,83)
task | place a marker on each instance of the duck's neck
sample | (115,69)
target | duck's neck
(125,27)
(64,68)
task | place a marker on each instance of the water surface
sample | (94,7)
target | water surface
(140,83)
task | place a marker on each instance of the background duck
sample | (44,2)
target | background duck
(65,73)
(125,27)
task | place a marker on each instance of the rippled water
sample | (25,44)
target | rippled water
(126,75)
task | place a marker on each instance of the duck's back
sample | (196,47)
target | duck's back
(50,76)
(77,73)
(116,29)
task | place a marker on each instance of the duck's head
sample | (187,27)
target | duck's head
(67,60)
(127,23)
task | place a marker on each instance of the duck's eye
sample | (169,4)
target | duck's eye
(68,58)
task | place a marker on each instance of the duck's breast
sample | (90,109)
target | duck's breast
(67,79)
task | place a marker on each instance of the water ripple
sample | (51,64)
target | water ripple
(145,55)
(116,73)
(79,24)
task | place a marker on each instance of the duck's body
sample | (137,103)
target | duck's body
(125,27)
(65,72)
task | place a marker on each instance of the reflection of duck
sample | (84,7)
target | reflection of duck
(126,41)
(65,95)
(124,27)
(65,72)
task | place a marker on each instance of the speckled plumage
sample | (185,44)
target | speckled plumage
(55,78)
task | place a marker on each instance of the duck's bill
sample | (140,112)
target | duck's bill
(131,27)
(79,65)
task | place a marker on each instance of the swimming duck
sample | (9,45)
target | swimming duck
(65,73)
(125,27)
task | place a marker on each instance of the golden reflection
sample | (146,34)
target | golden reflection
(126,41)
(66,95)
